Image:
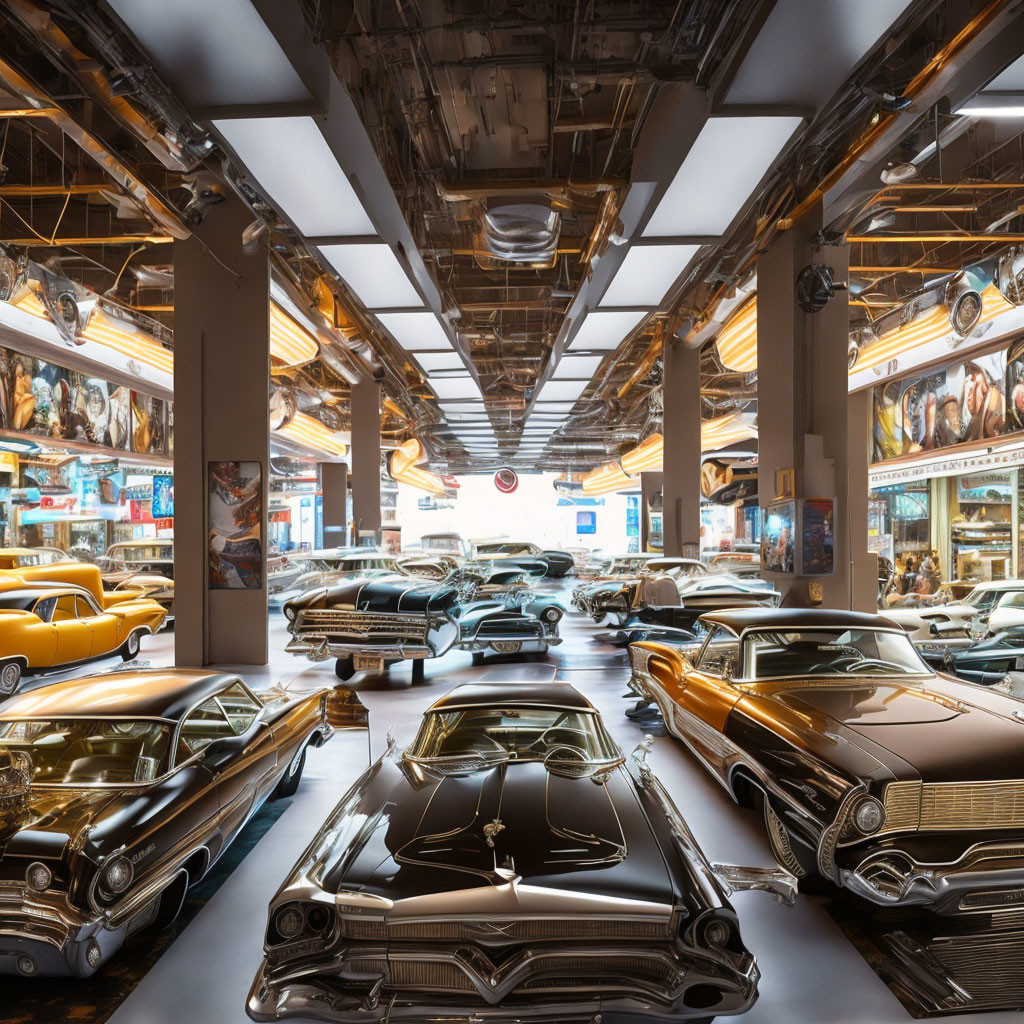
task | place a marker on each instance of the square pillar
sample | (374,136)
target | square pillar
(365,457)
(334,488)
(221,382)
(806,417)
(682,459)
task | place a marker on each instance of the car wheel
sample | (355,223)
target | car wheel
(289,782)
(344,668)
(172,899)
(10,677)
(130,648)
(478,657)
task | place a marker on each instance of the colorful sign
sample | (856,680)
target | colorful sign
(506,481)
(235,515)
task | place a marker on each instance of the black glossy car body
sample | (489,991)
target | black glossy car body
(511,881)
(370,623)
(124,789)
(985,661)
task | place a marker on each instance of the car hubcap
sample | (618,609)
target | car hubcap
(9,678)
(133,643)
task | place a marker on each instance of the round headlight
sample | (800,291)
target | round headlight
(288,921)
(93,955)
(552,614)
(117,875)
(716,932)
(869,815)
(38,877)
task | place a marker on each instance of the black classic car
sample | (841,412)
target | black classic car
(985,660)
(870,770)
(373,623)
(527,555)
(508,866)
(119,791)
(669,592)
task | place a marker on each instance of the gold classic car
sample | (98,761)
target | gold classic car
(49,625)
(872,771)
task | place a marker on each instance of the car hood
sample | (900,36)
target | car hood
(387,594)
(944,730)
(547,830)
(54,817)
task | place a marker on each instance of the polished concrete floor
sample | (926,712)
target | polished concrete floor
(810,972)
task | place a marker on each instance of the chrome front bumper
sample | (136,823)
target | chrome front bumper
(44,936)
(326,995)
(988,878)
(319,648)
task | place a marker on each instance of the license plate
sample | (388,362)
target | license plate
(368,662)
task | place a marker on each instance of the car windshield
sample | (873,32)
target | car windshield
(1012,600)
(90,751)
(442,544)
(518,734)
(503,549)
(774,654)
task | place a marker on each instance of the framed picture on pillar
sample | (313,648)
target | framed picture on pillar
(235,517)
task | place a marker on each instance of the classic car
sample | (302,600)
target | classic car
(1008,612)
(872,771)
(20,558)
(635,632)
(443,544)
(123,789)
(373,623)
(530,556)
(323,568)
(670,592)
(508,866)
(930,615)
(47,626)
(984,660)
(134,556)
(604,567)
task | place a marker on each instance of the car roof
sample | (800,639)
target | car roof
(44,588)
(146,693)
(999,585)
(739,619)
(513,694)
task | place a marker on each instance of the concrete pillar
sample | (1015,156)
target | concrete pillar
(365,457)
(651,489)
(221,380)
(803,410)
(334,488)
(681,488)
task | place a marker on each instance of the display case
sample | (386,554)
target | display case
(981,532)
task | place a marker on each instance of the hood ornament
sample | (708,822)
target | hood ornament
(492,829)
(640,752)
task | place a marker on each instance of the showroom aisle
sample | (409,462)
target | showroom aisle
(810,971)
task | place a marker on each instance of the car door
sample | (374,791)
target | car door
(256,767)
(708,692)
(39,641)
(102,626)
(73,637)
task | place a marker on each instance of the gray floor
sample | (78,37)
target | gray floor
(810,972)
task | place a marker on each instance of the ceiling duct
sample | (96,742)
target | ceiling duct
(522,230)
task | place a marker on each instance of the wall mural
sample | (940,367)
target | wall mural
(42,398)
(962,402)
(235,515)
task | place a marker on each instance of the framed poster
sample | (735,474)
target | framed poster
(163,496)
(817,537)
(235,517)
(778,528)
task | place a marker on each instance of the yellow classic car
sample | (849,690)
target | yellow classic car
(50,625)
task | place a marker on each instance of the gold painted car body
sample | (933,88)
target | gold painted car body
(54,624)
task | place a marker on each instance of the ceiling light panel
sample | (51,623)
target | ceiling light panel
(646,274)
(431,361)
(564,390)
(606,330)
(727,160)
(373,272)
(215,54)
(297,169)
(542,406)
(576,367)
(416,332)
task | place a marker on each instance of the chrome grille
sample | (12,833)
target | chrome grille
(517,627)
(987,967)
(414,974)
(370,626)
(954,806)
(513,931)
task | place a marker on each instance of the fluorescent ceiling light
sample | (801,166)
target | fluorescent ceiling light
(297,169)
(543,406)
(994,105)
(606,330)
(714,181)
(646,274)
(564,390)
(216,54)
(416,332)
(431,361)
(373,272)
(576,367)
